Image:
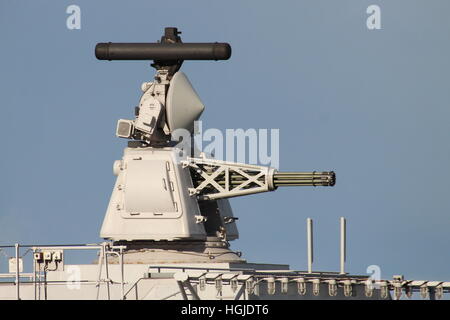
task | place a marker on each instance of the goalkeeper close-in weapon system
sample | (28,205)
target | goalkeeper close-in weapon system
(160,198)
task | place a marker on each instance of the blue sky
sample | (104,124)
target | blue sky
(372,105)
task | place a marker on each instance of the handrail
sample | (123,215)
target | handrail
(36,276)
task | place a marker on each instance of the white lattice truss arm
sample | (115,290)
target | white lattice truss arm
(219,179)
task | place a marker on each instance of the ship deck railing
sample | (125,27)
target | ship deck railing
(247,278)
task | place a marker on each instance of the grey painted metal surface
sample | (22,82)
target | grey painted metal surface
(111,278)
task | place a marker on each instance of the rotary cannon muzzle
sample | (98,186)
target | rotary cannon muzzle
(284,179)
(163,51)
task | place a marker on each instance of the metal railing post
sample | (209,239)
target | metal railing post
(122,274)
(105,253)
(17,272)
(309,233)
(343,244)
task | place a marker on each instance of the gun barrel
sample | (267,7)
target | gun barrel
(284,179)
(162,51)
(213,179)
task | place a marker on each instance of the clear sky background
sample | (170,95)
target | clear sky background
(373,105)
